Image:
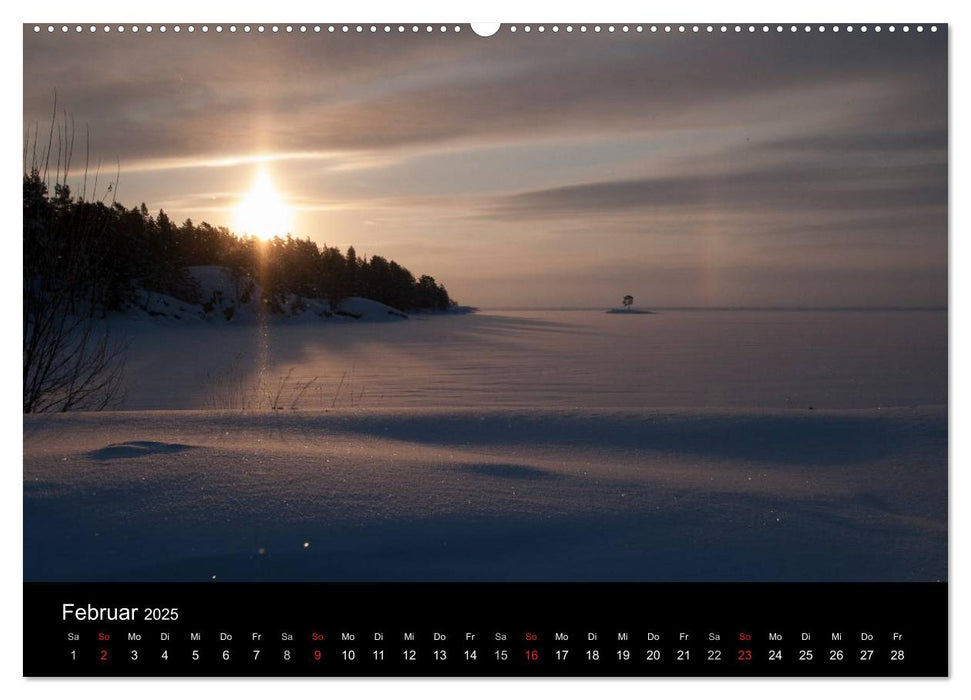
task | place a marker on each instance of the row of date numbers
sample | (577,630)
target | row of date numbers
(530,655)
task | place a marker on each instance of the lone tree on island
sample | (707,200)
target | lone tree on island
(628,301)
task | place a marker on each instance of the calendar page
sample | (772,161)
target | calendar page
(552,349)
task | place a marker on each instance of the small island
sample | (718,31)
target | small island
(628,307)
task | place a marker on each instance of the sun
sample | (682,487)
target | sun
(263,212)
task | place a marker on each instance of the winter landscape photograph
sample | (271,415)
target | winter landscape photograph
(592,304)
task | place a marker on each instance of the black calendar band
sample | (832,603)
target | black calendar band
(485,629)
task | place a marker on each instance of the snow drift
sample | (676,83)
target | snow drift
(701,495)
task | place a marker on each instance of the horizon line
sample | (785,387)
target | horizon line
(716,308)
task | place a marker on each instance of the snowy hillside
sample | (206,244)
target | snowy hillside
(226,297)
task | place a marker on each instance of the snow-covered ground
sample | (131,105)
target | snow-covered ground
(506,446)
(225,298)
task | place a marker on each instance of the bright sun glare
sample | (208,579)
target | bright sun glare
(262,212)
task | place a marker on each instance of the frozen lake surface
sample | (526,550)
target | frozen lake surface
(539,446)
(562,359)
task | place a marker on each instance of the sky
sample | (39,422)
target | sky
(543,169)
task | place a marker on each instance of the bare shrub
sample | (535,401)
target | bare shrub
(71,362)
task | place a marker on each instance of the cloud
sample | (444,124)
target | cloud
(791,187)
(158,96)
(928,141)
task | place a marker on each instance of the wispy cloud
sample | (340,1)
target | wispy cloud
(787,188)
(159,98)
